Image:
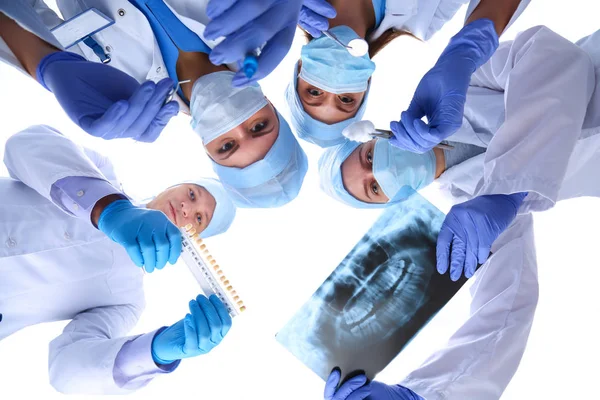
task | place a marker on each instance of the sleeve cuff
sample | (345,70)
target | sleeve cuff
(134,361)
(77,195)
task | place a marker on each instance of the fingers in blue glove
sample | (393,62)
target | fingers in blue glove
(443,249)
(470,259)
(191,337)
(217,7)
(135,253)
(226,321)
(136,105)
(163,117)
(332,382)
(106,123)
(360,394)
(150,109)
(237,16)
(201,325)
(162,248)
(148,248)
(213,319)
(312,22)
(270,57)
(175,244)
(457,255)
(349,387)
(321,7)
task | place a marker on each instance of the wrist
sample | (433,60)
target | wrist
(157,360)
(48,60)
(102,204)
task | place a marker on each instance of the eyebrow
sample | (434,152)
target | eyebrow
(259,134)
(230,153)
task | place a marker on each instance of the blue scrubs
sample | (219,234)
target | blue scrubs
(379,7)
(171,34)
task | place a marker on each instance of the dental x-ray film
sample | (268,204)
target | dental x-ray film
(377,299)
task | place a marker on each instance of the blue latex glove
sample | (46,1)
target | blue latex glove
(315,16)
(470,229)
(441,94)
(104,101)
(247,26)
(198,333)
(148,236)
(357,388)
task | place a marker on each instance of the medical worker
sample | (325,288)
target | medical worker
(102,100)
(529,137)
(56,265)
(251,146)
(330,87)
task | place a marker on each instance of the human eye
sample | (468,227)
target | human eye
(259,126)
(192,195)
(314,92)
(370,156)
(226,147)
(375,188)
(199,219)
(346,99)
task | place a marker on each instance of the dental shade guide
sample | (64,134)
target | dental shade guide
(207,272)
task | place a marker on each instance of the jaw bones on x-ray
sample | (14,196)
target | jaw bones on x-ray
(378,298)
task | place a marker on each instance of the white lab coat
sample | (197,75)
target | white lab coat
(423,18)
(54,266)
(536,143)
(129,41)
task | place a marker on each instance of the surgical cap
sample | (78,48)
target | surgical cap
(330,172)
(271,182)
(310,129)
(224,213)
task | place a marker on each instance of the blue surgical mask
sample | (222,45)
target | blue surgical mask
(329,66)
(217,107)
(401,172)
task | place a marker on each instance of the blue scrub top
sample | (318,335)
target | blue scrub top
(379,7)
(171,35)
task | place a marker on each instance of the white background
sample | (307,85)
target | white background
(277,258)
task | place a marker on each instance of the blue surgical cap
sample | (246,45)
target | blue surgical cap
(310,129)
(224,213)
(330,172)
(271,182)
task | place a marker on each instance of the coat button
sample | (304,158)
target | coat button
(108,49)
(11,242)
(80,193)
(121,12)
(158,69)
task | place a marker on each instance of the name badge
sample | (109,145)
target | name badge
(81,26)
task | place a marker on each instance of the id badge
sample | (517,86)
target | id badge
(76,29)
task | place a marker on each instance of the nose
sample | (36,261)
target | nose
(184,209)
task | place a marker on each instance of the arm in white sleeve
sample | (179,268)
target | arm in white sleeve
(45,160)
(520,8)
(92,356)
(481,358)
(547,83)
(34,16)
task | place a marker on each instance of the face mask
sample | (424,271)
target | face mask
(329,66)
(395,169)
(217,107)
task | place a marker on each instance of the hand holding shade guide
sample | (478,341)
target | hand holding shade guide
(207,272)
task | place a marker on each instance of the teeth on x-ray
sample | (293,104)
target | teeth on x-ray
(378,298)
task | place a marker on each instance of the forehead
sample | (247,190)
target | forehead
(352,172)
